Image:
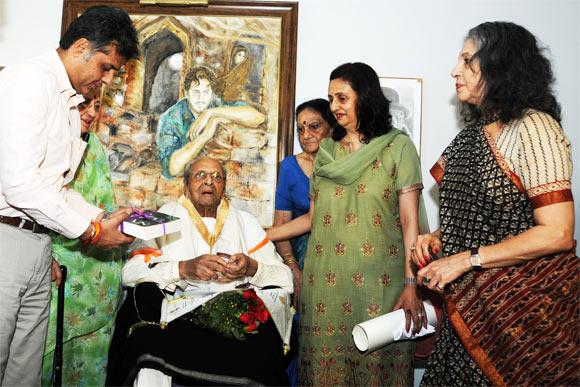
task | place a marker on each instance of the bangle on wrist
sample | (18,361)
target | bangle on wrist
(410,281)
(288,258)
(86,235)
(98,233)
(95,234)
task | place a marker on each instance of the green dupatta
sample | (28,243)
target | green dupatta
(348,169)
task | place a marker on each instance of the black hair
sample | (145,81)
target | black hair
(516,74)
(196,74)
(103,26)
(372,107)
(320,106)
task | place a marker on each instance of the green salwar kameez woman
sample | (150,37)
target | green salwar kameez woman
(356,260)
(93,287)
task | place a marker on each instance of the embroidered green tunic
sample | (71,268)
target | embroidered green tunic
(355,263)
(93,287)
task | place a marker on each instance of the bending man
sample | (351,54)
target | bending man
(40,151)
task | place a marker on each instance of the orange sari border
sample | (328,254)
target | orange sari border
(547,198)
(503,164)
(147,252)
(437,171)
(472,345)
(553,186)
(263,243)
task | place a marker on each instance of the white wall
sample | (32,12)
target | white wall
(28,28)
(415,38)
(410,38)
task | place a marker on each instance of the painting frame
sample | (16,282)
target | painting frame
(282,120)
(406,98)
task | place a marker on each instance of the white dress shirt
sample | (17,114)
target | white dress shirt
(40,146)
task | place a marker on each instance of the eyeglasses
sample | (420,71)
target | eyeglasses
(314,126)
(215,176)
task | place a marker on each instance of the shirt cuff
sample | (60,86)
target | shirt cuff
(73,225)
(257,279)
(410,188)
(170,276)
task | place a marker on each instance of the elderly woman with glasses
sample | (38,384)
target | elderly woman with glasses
(313,123)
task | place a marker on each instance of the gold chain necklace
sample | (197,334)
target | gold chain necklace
(197,220)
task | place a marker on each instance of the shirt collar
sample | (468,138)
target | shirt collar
(64,85)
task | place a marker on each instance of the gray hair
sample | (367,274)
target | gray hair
(187,173)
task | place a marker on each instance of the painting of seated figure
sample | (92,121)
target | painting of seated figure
(208,82)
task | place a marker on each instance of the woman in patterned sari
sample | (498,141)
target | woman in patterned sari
(364,200)
(509,271)
(93,287)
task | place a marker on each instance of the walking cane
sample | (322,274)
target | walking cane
(57,360)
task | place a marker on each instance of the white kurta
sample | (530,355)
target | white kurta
(241,234)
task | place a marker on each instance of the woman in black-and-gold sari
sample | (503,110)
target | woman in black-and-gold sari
(509,270)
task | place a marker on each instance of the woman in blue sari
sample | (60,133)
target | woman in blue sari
(313,122)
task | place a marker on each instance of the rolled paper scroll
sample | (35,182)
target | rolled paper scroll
(383,330)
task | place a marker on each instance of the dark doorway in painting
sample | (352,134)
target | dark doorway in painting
(163,54)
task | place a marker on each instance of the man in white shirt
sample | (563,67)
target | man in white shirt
(218,249)
(40,149)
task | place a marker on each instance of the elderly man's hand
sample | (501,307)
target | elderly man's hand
(207,267)
(239,266)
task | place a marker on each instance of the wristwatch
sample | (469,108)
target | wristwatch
(475,259)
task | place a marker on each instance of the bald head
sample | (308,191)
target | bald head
(191,166)
(205,181)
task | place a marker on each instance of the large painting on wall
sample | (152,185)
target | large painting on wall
(215,80)
(405,95)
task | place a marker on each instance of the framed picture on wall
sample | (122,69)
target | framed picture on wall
(244,53)
(405,95)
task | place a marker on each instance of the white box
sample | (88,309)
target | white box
(147,224)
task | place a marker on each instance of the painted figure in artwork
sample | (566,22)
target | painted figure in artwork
(187,126)
(204,86)
(233,83)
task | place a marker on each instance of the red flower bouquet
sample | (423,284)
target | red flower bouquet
(232,314)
